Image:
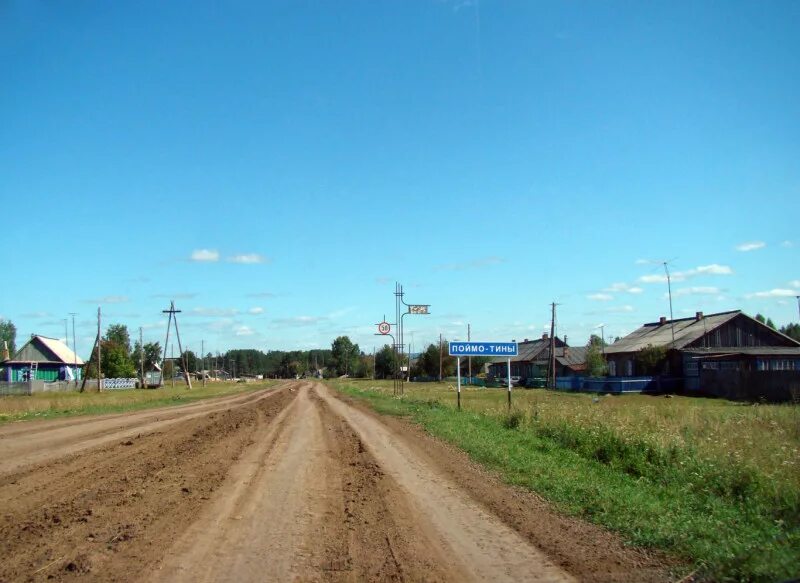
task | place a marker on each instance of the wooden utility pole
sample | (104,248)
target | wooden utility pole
(469,358)
(141,357)
(203,354)
(552,364)
(173,315)
(440,358)
(99,354)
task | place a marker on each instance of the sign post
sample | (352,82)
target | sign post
(509,384)
(459,349)
(458,376)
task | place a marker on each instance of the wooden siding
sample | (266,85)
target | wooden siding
(741,332)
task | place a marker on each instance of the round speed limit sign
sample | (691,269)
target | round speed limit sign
(384,327)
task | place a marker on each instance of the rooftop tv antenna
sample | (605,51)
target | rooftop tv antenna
(173,316)
(669,292)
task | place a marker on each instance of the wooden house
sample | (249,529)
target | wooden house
(45,359)
(731,340)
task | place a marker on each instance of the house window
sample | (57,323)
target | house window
(691,368)
(629,368)
(612,368)
(729,366)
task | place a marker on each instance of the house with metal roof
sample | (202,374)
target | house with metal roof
(533,357)
(693,344)
(42,358)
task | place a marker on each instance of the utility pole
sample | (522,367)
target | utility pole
(172,360)
(99,355)
(602,338)
(141,356)
(203,354)
(552,363)
(440,357)
(173,315)
(669,290)
(798,306)
(469,358)
(74,348)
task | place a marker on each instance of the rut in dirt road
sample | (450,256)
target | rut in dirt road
(289,512)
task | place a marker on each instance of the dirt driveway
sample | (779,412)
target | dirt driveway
(287,484)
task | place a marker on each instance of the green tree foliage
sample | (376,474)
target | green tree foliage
(344,357)
(761,318)
(118,334)
(596,365)
(116,352)
(651,359)
(385,363)
(791,330)
(427,364)
(152,355)
(8,333)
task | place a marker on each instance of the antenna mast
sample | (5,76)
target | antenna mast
(669,291)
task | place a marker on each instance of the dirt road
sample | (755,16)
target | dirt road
(293,484)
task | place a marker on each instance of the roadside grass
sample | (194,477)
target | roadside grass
(65,404)
(711,482)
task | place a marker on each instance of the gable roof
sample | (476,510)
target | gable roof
(687,331)
(530,351)
(44,349)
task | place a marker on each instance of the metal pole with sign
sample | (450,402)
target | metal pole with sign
(496,349)
(509,384)
(458,376)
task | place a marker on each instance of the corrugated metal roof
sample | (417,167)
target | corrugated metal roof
(60,350)
(575,356)
(687,330)
(528,351)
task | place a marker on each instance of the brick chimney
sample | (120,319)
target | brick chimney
(662,320)
(545,336)
(698,316)
(526,340)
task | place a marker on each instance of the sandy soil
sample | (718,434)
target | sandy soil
(293,484)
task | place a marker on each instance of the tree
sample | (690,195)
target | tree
(385,363)
(117,361)
(596,365)
(8,333)
(118,334)
(771,324)
(344,356)
(761,318)
(651,359)
(595,340)
(152,355)
(792,331)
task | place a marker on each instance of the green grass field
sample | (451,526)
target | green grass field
(712,482)
(51,405)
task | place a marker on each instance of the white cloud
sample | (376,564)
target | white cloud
(751,246)
(712,269)
(247,259)
(205,255)
(642,261)
(696,291)
(108,300)
(256,310)
(600,297)
(795,283)
(623,287)
(787,244)
(243,331)
(300,320)
(621,309)
(213,312)
(773,293)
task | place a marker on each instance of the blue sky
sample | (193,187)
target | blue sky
(275,167)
